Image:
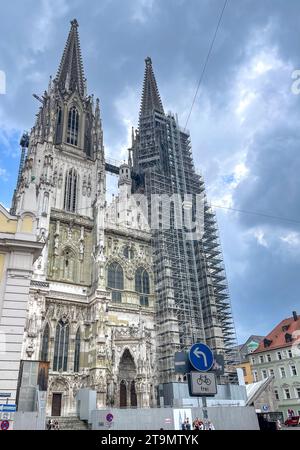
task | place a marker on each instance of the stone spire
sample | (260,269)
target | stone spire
(70,75)
(150,97)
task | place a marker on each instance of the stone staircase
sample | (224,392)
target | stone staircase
(69,423)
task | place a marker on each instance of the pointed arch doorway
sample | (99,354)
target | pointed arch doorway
(127,375)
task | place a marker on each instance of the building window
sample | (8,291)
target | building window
(115,281)
(61,346)
(279,355)
(255,377)
(290,353)
(282,372)
(71,190)
(77,351)
(264,374)
(45,344)
(253,360)
(142,285)
(269,359)
(298,392)
(244,371)
(261,359)
(294,370)
(271,372)
(73,126)
(276,394)
(287,393)
(59,128)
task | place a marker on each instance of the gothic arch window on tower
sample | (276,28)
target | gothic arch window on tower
(73,126)
(59,127)
(70,197)
(45,343)
(115,281)
(142,285)
(61,346)
(77,351)
(88,135)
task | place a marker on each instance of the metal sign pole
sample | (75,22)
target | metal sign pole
(204,407)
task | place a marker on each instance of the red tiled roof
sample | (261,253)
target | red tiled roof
(277,335)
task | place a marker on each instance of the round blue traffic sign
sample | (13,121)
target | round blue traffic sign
(109,417)
(4,425)
(201,357)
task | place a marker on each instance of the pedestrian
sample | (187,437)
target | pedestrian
(278,424)
(56,425)
(49,425)
(210,426)
(196,424)
(187,425)
(183,425)
(200,425)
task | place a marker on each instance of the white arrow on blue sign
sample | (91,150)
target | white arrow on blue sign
(201,357)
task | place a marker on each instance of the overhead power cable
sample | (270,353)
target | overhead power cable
(206,62)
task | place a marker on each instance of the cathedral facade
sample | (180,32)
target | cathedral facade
(112,296)
(91,303)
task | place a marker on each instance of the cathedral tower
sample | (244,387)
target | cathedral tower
(192,299)
(91,305)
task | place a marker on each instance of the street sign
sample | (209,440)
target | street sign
(109,417)
(4,425)
(202,384)
(5,394)
(265,408)
(201,357)
(181,362)
(5,416)
(8,407)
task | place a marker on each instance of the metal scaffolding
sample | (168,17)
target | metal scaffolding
(191,289)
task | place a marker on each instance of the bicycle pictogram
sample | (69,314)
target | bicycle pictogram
(203,379)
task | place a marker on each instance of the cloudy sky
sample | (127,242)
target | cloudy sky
(245,125)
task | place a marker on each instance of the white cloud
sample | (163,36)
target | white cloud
(292,239)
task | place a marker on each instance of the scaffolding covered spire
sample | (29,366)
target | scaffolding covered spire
(70,75)
(151,100)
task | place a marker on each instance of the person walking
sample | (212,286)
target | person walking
(210,426)
(187,424)
(183,425)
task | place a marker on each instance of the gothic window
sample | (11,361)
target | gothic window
(59,128)
(71,190)
(88,135)
(45,344)
(142,285)
(115,281)
(73,126)
(77,351)
(61,346)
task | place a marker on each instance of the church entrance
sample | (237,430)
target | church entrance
(127,375)
(56,404)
